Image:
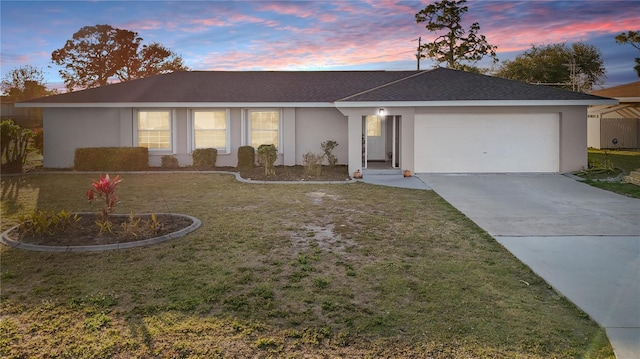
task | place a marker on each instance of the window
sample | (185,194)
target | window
(374,126)
(210,129)
(154,130)
(264,128)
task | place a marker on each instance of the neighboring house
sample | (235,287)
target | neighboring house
(616,125)
(439,121)
(25,117)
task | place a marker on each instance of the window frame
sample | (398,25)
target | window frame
(192,129)
(172,130)
(247,125)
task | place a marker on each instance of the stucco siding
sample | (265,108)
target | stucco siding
(593,132)
(573,138)
(67,129)
(316,125)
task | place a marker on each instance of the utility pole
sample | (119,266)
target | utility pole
(572,74)
(419,53)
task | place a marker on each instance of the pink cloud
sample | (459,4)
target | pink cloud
(522,36)
(287,9)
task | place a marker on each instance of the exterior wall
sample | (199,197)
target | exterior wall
(573,138)
(593,132)
(316,125)
(66,129)
(303,129)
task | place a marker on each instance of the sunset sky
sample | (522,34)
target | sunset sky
(312,35)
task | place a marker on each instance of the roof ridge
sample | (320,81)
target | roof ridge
(383,85)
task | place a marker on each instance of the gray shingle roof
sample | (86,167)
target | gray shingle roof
(453,85)
(313,86)
(226,86)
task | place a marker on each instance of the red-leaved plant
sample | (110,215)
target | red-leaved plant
(105,188)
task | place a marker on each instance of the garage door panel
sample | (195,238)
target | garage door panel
(459,143)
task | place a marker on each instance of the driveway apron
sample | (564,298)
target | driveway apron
(585,242)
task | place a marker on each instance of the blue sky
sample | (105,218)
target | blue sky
(312,35)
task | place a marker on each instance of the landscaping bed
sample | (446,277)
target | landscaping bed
(608,168)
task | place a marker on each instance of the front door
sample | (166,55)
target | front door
(376,130)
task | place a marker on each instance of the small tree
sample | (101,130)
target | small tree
(267,155)
(453,47)
(327,148)
(14,142)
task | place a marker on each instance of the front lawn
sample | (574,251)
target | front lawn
(314,271)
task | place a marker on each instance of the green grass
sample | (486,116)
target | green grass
(625,160)
(605,164)
(280,271)
(626,189)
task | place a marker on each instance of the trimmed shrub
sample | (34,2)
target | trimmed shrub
(312,164)
(267,156)
(246,157)
(168,161)
(205,157)
(111,159)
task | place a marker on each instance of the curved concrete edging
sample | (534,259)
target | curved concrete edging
(5,239)
(236,174)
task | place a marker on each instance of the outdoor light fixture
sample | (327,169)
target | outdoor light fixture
(381,112)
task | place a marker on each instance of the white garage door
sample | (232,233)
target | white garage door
(487,143)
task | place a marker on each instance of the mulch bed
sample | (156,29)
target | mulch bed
(296,173)
(86,232)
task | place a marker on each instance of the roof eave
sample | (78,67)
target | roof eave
(476,103)
(343,104)
(175,104)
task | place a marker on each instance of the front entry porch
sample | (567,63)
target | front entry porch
(380,142)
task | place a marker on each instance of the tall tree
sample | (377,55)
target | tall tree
(25,83)
(456,45)
(632,38)
(97,53)
(577,67)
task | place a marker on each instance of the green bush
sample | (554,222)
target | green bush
(14,142)
(267,156)
(246,157)
(205,157)
(168,161)
(111,159)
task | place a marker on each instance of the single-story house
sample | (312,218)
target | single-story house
(615,125)
(434,121)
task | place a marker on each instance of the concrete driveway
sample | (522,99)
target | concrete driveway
(585,242)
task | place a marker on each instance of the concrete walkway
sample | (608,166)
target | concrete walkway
(585,242)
